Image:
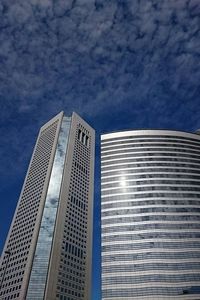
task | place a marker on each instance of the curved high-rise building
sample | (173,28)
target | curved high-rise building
(150,215)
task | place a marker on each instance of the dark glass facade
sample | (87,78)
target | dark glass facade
(38,277)
(150,215)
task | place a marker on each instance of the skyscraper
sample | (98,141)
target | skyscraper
(47,254)
(150,215)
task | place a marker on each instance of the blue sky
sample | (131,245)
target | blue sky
(120,64)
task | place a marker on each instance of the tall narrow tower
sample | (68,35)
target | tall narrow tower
(48,251)
(150,215)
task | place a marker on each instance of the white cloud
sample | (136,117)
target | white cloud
(93,55)
(19,13)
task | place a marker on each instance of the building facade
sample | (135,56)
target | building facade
(150,215)
(48,251)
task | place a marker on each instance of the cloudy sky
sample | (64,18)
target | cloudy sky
(120,64)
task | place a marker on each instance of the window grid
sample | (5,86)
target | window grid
(71,279)
(13,267)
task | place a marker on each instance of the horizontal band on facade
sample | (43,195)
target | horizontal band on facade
(150,135)
(154,250)
(146,206)
(125,156)
(151,261)
(145,170)
(179,230)
(104,203)
(155,297)
(134,175)
(172,148)
(139,214)
(149,241)
(149,185)
(153,272)
(147,143)
(138,180)
(151,285)
(151,267)
(147,192)
(146,163)
(147,223)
